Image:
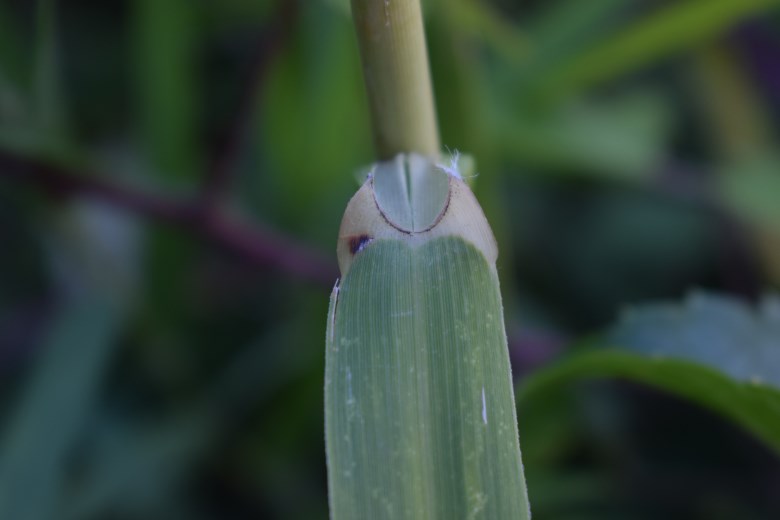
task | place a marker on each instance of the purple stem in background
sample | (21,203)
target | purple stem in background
(256,245)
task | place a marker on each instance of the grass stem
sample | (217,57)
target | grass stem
(395,67)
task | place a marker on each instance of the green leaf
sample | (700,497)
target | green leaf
(32,104)
(340,5)
(47,84)
(623,139)
(13,53)
(164,39)
(306,157)
(712,350)
(720,332)
(53,410)
(137,467)
(751,188)
(753,405)
(480,20)
(420,419)
(674,29)
(564,29)
(418,389)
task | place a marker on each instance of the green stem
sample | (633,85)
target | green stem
(395,66)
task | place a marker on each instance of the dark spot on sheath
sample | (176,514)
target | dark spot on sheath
(358,242)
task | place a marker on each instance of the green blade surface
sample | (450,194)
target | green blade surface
(420,417)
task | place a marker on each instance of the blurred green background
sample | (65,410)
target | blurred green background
(172,177)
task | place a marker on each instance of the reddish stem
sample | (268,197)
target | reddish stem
(257,245)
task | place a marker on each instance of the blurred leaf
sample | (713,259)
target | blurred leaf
(754,406)
(13,109)
(624,139)
(564,29)
(751,187)
(19,136)
(13,56)
(674,29)
(717,331)
(137,468)
(315,121)
(53,410)
(479,20)
(165,43)
(92,262)
(49,100)
(340,5)
(165,52)
(32,120)
(714,351)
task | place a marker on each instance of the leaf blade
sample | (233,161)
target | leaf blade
(674,29)
(753,405)
(419,410)
(52,412)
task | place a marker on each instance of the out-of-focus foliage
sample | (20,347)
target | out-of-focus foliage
(626,153)
(50,415)
(712,349)
(716,331)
